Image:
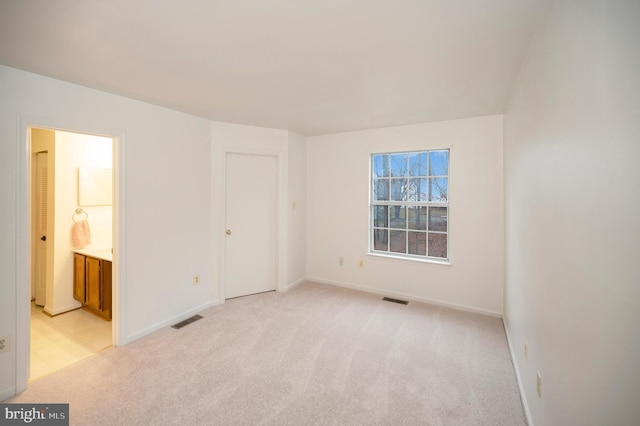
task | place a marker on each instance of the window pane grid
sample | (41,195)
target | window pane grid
(410,204)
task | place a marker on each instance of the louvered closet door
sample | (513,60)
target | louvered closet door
(42,190)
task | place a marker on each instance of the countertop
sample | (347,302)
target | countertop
(98,253)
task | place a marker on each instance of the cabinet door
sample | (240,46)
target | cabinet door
(78,277)
(105,300)
(92,296)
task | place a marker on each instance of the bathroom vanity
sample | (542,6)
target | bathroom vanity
(92,280)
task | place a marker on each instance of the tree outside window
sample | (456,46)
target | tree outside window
(410,204)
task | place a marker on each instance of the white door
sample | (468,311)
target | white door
(251,224)
(40,237)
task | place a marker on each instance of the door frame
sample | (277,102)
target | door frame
(280,221)
(24,237)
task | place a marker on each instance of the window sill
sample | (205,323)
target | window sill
(410,259)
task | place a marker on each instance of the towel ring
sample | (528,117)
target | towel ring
(79,212)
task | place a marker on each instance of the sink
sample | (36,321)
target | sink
(103,251)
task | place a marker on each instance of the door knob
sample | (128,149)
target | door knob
(228,231)
(43,238)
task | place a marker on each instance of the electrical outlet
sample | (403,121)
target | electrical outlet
(196,279)
(526,351)
(4,344)
(539,384)
(361,264)
(340,260)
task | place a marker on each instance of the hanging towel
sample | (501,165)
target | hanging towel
(81,234)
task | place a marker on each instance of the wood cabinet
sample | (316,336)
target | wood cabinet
(92,284)
(78,277)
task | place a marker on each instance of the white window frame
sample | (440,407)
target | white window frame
(409,204)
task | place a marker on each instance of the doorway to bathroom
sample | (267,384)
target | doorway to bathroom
(72,234)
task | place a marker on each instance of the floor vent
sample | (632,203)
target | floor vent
(186,322)
(402,302)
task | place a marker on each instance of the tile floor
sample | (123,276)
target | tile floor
(59,341)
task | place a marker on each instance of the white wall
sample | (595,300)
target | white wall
(338,182)
(572,146)
(166,183)
(170,168)
(75,150)
(297,209)
(239,138)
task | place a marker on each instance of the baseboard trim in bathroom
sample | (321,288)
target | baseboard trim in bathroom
(186,322)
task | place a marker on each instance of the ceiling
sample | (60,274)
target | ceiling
(310,66)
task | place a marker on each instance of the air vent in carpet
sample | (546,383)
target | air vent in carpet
(186,322)
(402,302)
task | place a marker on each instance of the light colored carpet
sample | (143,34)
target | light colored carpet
(316,355)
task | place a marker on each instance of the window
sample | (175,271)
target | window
(410,204)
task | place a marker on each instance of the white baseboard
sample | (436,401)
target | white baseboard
(8,393)
(523,396)
(62,310)
(399,295)
(294,284)
(170,321)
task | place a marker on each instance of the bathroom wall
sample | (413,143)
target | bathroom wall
(75,150)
